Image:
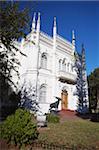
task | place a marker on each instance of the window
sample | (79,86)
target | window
(68,67)
(60,63)
(43,61)
(72,67)
(64,65)
(42,93)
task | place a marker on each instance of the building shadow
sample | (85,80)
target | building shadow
(84,116)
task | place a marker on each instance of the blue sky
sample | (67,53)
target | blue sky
(83,17)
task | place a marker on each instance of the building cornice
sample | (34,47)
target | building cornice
(46,38)
(64,40)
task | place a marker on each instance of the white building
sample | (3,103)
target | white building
(49,66)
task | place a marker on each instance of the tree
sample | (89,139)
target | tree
(13,23)
(84,79)
(12,26)
(28,97)
(81,86)
(93,83)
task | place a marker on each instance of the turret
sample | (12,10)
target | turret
(54,54)
(54,28)
(34,22)
(38,23)
(54,34)
(38,29)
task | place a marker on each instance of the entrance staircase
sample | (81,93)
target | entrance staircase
(67,115)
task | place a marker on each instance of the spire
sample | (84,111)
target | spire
(54,27)
(54,21)
(34,22)
(38,29)
(73,38)
(38,22)
(54,48)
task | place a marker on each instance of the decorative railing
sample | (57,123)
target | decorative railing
(67,75)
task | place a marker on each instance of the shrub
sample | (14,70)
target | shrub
(95,117)
(19,129)
(9,105)
(53,118)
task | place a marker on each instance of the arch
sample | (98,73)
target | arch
(60,64)
(64,98)
(44,60)
(64,65)
(42,94)
(64,88)
(68,66)
(72,67)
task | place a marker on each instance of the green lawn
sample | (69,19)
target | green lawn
(80,133)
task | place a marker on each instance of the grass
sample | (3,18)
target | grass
(80,133)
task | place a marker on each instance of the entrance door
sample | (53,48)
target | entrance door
(64,96)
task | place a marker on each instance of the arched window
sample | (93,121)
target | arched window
(43,61)
(42,97)
(72,67)
(60,64)
(68,67)
(64,65)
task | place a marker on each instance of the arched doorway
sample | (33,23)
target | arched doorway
(64,97)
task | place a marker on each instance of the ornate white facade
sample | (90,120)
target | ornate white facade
(49,66)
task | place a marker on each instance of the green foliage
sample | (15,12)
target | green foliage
(12,27)
(53,118)
(95,116)
(93,82)
(13,22)
(81,82)
(19,129)
(28,97)
(12,103)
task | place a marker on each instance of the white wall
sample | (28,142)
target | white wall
(28,72)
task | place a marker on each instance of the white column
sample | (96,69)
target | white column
(38,52)
(54,57)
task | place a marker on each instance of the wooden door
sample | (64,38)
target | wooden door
(64,97)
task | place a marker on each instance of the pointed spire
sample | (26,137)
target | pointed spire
(34,22)
(73,35)
(38,16)
(54,27)
(73,38)
(38,29)
(38,22)
(54,21)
